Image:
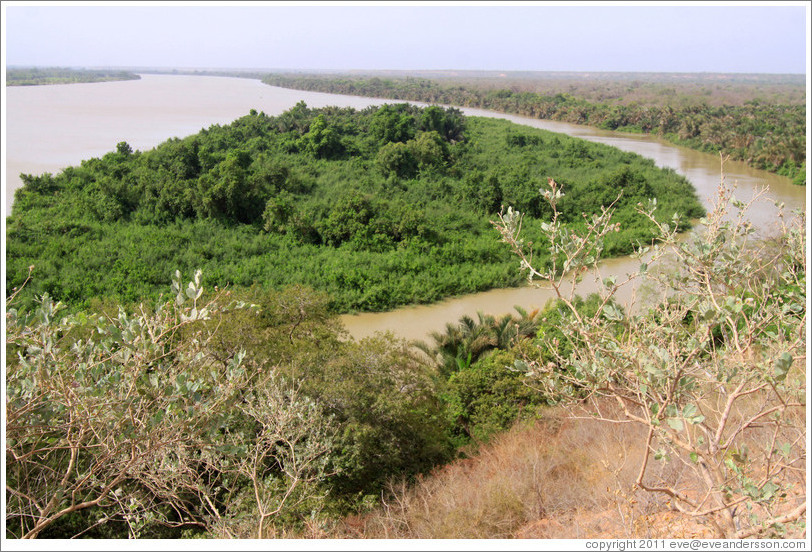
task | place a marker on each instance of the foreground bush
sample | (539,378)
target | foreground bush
(706,368)
(679,417)
(206,417)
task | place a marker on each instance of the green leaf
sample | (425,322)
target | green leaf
(654,370)
(751,491)
(612,313)
(694,457)
(675,423)
(768,490)
(520,366)
(782,365)
(784,450)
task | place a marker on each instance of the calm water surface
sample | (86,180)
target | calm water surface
(51,127)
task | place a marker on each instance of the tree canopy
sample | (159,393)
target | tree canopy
(379,207)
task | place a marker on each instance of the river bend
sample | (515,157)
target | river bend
(48,128)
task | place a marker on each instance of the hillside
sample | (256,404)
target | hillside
(231,409)
(248,414)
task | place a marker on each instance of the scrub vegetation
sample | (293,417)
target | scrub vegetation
(148,401)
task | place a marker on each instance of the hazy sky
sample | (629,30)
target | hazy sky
(533,36)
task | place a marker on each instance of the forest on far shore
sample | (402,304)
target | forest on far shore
(758,119)
(32,76)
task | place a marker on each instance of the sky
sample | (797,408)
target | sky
(731,37)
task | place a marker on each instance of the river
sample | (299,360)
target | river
(48,128)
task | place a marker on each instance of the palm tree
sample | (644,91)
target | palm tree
(463,343)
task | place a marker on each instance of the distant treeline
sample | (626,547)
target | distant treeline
(765,135)
(59,75)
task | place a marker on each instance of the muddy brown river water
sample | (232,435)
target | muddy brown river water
(50,127)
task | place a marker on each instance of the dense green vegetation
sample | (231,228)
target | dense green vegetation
(766,134)
(58,75)
(645,89)
(381,207)
(238,414)
(243,409)
(249,414)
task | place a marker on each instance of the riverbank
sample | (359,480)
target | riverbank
(56,126)
(44,76)
(766,135)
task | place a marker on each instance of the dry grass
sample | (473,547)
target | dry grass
(557,469)
(567,476)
